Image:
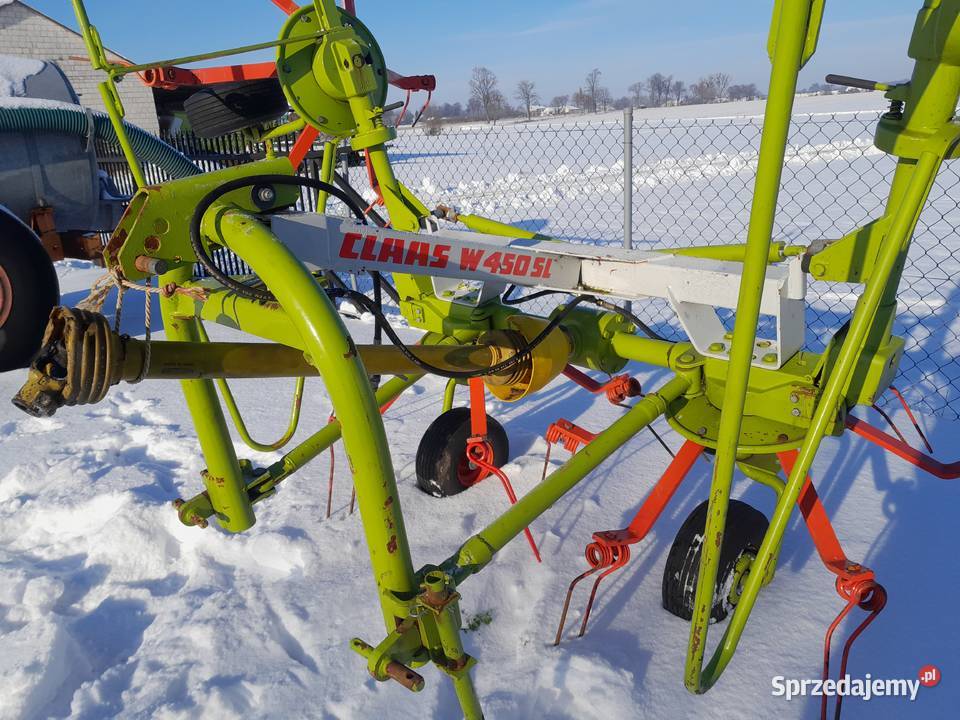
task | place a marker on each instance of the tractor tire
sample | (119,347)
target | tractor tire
(746,527)
(223,109)
(442,466)
(29,290)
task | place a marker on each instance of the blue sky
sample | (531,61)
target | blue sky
(552,42)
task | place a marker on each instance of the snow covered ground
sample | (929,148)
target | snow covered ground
(110,607)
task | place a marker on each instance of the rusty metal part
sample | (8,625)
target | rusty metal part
(394,670)
(79,360)
(151,265)
(43,223)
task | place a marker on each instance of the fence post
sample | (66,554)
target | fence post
(628,183)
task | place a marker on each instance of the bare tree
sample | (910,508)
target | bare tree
(591,88)
(485,97)
(678,91)
(636,93)
(703,91)
(659,86)
(527,95)
(581,100)
(720,81)
(604,99)
(559,103)
(743,92)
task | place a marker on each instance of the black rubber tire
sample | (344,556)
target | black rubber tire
(442,452)
(222,109)
(746,527)
(35,289)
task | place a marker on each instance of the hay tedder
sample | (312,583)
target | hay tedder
(760,404)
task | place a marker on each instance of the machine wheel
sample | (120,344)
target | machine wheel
(223,109)
(28,292)
(442,465)
(746,527)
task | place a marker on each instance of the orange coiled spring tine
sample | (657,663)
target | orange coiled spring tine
(480,453)
(621,556)
(870,596)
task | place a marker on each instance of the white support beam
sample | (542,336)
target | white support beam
(694,287)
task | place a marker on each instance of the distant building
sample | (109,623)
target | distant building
(29,33)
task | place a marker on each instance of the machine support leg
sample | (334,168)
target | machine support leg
(222,477)
(700,679)
(333,352)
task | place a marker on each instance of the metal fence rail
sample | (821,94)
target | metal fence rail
(690,183)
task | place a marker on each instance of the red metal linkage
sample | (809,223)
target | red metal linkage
(617,389)
(170,77)
(855,583)
(480,451)
(944,471)
(610,549)
(302,146)
(288,6)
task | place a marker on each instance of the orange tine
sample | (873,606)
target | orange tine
(622,556)
(566,602)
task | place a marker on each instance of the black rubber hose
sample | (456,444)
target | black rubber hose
(211,197)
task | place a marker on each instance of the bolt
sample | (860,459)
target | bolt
(794,397)
(702,431)
(717,347)
(266,195)
(764,343)
(819,270)
(358,61)
(687,358)
(782,437)
(728,336)
(770,358)
(795,412)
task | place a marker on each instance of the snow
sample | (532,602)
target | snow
(14,72)
(110,607)
(16,103)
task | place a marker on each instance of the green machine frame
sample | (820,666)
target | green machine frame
(332,73)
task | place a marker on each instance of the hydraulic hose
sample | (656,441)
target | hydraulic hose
(75,120)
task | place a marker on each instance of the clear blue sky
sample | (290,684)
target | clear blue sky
(552,42)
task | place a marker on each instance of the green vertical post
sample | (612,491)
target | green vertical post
(223,478)
(791,21)
(333,353)
(108,89)
(864,318)
(326,172)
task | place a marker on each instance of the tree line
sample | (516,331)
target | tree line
(487,101)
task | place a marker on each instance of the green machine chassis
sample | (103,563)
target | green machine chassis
(331,70)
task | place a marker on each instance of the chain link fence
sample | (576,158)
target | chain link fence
(692,184)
